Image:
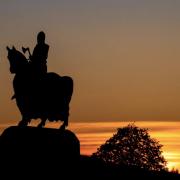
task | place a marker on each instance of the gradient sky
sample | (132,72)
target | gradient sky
(124,55)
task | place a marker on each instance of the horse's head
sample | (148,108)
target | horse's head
(16,59)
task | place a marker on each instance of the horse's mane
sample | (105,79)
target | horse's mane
(20,56)
(19,59)
(18,62)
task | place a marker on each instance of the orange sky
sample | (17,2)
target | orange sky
(92,135)
(124,57)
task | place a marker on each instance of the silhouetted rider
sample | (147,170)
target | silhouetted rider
(40,54)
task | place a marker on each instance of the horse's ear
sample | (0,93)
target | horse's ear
(13,48)
(7,47)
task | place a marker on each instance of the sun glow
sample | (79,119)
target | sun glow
(93,134)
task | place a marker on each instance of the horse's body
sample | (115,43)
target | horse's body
(46,97)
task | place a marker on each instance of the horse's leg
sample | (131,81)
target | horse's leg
(65,124)
(42,123)
(24,122)
(66,121)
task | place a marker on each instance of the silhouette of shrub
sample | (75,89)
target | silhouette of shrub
(174,171)
(132,146)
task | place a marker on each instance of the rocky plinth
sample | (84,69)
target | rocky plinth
(40,141)
(38,149)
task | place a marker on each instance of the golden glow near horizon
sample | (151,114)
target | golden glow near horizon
(94,134)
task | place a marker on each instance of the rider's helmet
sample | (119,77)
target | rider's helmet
(41,37)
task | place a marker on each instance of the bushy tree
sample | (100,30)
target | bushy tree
(132,146)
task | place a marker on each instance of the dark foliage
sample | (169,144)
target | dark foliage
(132,146)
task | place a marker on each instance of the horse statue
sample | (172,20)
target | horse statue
(46,98)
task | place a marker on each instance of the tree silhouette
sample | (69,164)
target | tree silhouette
(132,146)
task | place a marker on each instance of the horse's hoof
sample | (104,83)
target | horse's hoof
(40,126)
(62,128)
(22,124)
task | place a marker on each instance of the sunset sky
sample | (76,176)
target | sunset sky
(124,57)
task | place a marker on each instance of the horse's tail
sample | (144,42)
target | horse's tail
(68,86)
